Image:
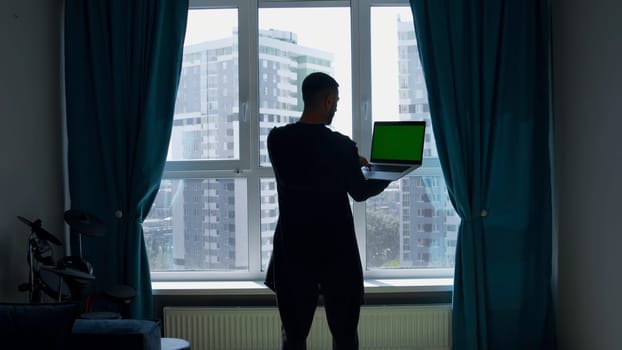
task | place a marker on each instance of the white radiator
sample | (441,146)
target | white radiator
(396,327)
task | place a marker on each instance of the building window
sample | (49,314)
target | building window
(217,208)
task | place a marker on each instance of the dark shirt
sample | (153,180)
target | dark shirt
(316,169)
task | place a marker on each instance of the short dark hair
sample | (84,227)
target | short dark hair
(314,84)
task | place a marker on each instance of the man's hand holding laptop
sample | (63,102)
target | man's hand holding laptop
(364,163)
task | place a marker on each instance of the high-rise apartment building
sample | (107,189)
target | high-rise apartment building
(205,220)
(429,224)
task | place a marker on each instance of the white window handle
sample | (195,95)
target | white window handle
(365,110)
(244,112)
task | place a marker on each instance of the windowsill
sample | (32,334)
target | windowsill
(372,286)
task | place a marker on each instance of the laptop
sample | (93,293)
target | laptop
(396,149)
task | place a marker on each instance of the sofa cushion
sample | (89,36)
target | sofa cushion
(37,326)
(116,334)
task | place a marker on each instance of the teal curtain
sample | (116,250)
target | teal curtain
(122,67)
(486,66)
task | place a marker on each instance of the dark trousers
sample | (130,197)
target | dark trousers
(297,308)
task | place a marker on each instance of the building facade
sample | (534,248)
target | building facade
(202,223)
(429,225)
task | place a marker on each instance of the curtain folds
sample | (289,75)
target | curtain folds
(486,66)
(122,67)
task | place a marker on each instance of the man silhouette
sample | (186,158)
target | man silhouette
(315,250)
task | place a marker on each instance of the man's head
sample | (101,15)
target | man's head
(320,94)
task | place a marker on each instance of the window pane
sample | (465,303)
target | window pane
(206,121)
(269,217)
(198,224)
(292,45)
(412,223)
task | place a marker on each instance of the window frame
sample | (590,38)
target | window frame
(248,165)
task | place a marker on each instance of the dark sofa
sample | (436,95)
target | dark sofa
(57,326)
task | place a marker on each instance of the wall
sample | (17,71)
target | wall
(587,50)
(31,182)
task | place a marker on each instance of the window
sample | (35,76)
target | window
(217,208)
(292,41)
(206,106)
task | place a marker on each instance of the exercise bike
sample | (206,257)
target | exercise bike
(62,280)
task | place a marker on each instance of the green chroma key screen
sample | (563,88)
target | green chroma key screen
(398,141)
